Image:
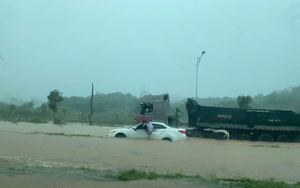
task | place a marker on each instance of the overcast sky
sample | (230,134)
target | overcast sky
(252,47)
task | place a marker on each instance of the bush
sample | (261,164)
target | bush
(36,120)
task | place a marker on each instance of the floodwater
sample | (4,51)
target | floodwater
(47,155)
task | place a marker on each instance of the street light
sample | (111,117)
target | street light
(197,65)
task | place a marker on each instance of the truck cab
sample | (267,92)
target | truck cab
(155,107)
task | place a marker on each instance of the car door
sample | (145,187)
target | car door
(158,131)
(138,131)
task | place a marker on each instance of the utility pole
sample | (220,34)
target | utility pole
(92,97)
(126,105)
(197,65)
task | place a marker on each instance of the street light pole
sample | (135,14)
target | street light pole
(197,65)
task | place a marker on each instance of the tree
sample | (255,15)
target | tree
(244,101)
(64,110)
(31,104)
(54,98)
(12,109)
(43,109)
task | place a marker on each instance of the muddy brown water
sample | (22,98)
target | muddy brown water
(33,155)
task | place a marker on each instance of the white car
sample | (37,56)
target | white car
(161,131)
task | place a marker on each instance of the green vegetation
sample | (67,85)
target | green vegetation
(54,98)
(132,175)
(43,110)
(107,106)
(152,175)
(64,110)
(86,168)
(244,101)
(270,146)
(135,175)
(36,120)
(174,175)
(250,183)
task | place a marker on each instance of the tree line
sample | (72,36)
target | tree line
(72,108)
(287,99)
(121,108)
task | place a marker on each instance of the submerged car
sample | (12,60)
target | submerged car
(161,131)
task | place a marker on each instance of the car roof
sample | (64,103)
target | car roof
(160,123)
(157,122)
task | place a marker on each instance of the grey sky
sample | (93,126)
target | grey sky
(252,47)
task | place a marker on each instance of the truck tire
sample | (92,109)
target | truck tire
(297,139)
(197,134)
(265,138)
(282,138)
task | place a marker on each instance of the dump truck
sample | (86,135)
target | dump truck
(226,123)
(242,123)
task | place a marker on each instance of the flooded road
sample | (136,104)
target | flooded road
(72,155)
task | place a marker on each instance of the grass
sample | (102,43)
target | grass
(152,175)
(271,146)
(37,120)
(86,168)
(250,183)
(133,174)
(174,175)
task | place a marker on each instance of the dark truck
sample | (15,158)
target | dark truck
(222,123)
(242,124)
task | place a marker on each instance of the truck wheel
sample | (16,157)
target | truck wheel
(282,138)
(265,138)
(297,139)
(197,134)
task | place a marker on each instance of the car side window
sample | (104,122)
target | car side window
(158,126)
(141,127)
